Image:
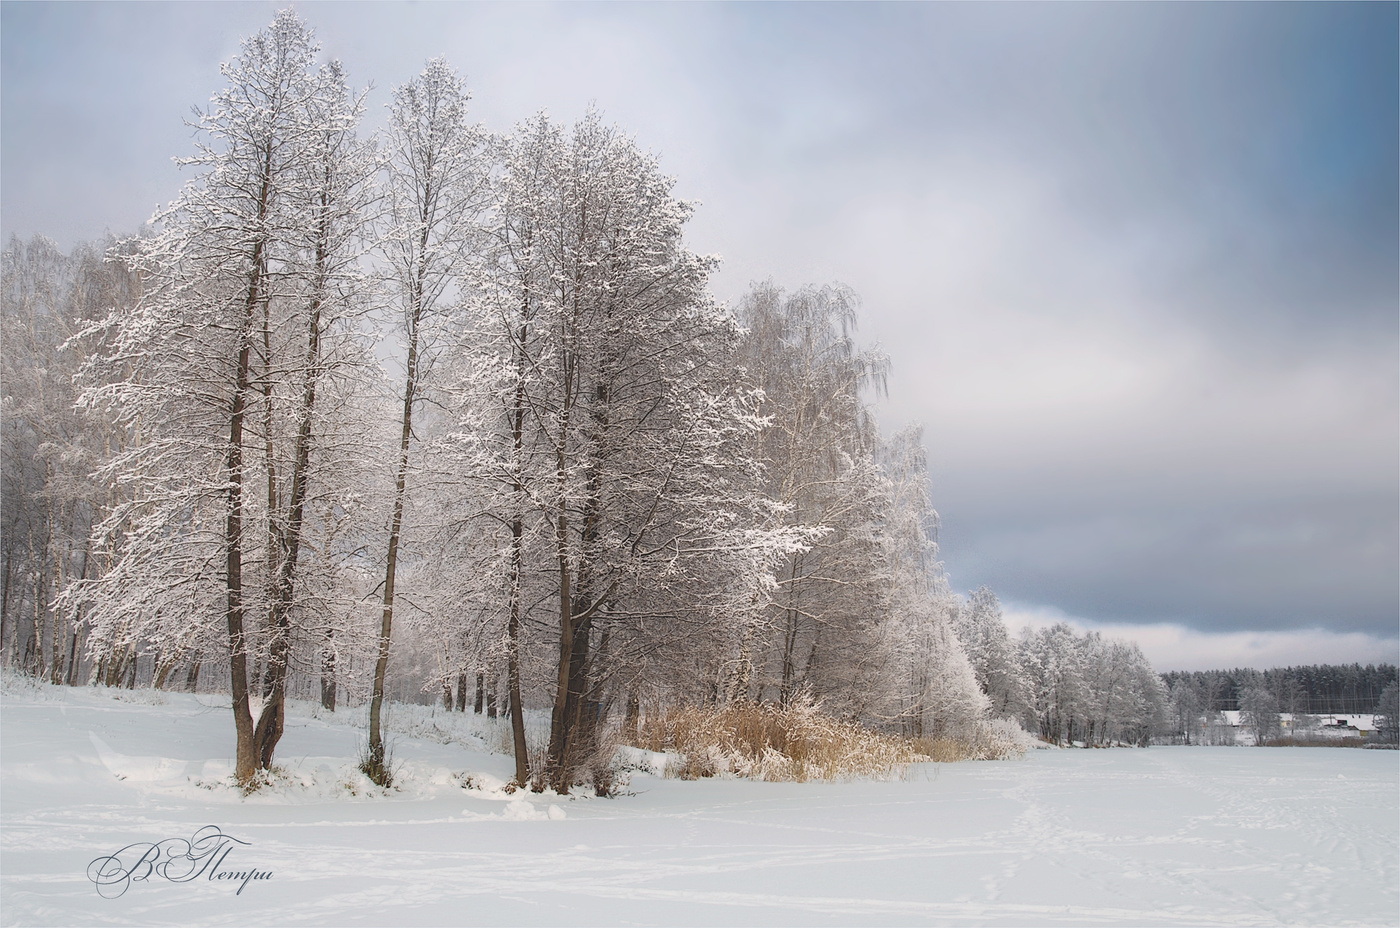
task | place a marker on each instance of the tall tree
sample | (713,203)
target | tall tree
(207,358)
(1055,671)
(435,194)
(333,193)
(818,454)
(1259,713)
(934,687)
(49,447)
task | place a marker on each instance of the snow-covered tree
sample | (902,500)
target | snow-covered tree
(983,633)
(603,421)
(933,684)
(1388,714)
(1187,710)
(1259,713)
(220,366)
(435,194)
(818,454)
(1055,675)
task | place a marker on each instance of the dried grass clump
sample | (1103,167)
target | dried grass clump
(762,742)
(943,750)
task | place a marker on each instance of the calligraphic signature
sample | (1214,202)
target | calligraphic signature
(176,860)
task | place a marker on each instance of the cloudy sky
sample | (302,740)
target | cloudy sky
(1135,265)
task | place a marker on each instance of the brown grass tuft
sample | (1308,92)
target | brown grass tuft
(771,743)
(944,750)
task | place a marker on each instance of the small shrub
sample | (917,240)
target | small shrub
(986,739)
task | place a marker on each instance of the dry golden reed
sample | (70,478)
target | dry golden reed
(766,742)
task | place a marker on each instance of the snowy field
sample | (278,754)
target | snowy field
(1163,836)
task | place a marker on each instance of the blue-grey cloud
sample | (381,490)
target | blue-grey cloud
(1136,265)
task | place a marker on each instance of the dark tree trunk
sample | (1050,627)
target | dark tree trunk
(73,657)
(287,535)
(163,671)
(328,672)
(790,637)
(631,717)
(374,764)
(245,760)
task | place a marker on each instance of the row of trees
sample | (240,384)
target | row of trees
(49,448)
(1314,689)
(457,408)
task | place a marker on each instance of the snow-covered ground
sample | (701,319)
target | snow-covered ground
(1176,836)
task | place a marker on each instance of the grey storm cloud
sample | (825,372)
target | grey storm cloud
(1135,265)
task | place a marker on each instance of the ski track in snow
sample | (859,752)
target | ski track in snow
(1164,836)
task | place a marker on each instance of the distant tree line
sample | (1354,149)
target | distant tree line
(1314,689)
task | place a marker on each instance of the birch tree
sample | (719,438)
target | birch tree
(933,688)
(817,451)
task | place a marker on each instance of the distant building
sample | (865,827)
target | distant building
(1304,727)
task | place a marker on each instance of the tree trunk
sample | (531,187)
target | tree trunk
(245,755)
(287,536)
(480,691)
(374,763)
(328,672)
(73,657)
(517,535)
(163,670)
(631,717)
(790,636)
(5,598)
(556,772)
(56,647)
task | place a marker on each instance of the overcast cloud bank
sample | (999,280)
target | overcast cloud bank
(1135,266)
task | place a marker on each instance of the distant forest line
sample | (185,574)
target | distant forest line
(1314,689)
